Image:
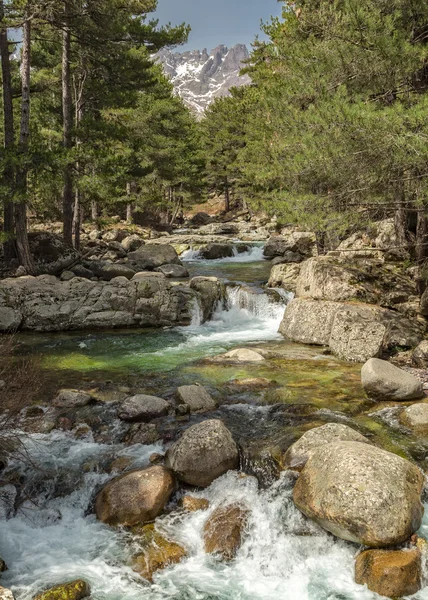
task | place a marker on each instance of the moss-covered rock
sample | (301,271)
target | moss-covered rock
(157,552)
(75,590)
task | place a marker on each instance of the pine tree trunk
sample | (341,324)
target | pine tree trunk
(94,210)
(22,245)
(9,140)
(226,195)
(129,211)
(421,249)
(67,113)
(77,219)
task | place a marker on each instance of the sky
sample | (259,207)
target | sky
(217,22)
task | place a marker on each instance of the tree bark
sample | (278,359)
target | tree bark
(94,210)
(226,195)
(421,246)
(22,245)
(9,140)
(67,114)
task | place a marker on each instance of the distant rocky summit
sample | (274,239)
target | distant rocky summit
(199,77)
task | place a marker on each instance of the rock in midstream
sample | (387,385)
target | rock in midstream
(361,493)
(204,452)
(301,451)
(136,497)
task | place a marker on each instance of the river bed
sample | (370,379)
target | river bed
(55,537)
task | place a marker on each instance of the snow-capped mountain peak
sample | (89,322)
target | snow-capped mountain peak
(199,77)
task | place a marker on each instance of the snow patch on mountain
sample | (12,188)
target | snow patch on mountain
(199,77)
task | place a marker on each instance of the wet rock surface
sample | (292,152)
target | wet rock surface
(196,398)
(224,529)
(143,408)
(75,590)
(390,573)
(157,552)
(136,497)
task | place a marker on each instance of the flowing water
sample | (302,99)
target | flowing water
(54,537)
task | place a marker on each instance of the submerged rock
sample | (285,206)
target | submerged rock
(301,451)
(361,493)
(242,355)
(224,529)
(193,504)
(142,433)
(204,452)
(143,408)
(384,381)
(157,552)
(75,590)
(173,271)
(390,573)
(196,398)
(136,497)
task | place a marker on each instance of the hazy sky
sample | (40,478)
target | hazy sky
(217,22)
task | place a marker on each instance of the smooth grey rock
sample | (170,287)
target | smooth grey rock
(361,493)
(196,398)
(143,408)
(301,451)
(204,452)
(72,399)
(67,275)
(109,272)
(384,381)
(173,271)
(81,271)
(415,416)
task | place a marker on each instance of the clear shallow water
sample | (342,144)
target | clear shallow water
(55,537)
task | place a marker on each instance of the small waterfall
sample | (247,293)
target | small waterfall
(197,313)
(190,255)
(257,302)
(253,254)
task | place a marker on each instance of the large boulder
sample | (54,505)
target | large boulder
(301,451)
(284,276)
(361,493)
(195,398)
(204,452)
(157,552)
(216,251)
(75,590)
(390,573)
(143,408)
(353,331)
(50,254)
(45,303)
(150,256)
(384,381)
(132,243)
(301,242)
(134,498)
(224,530)
(108,271)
